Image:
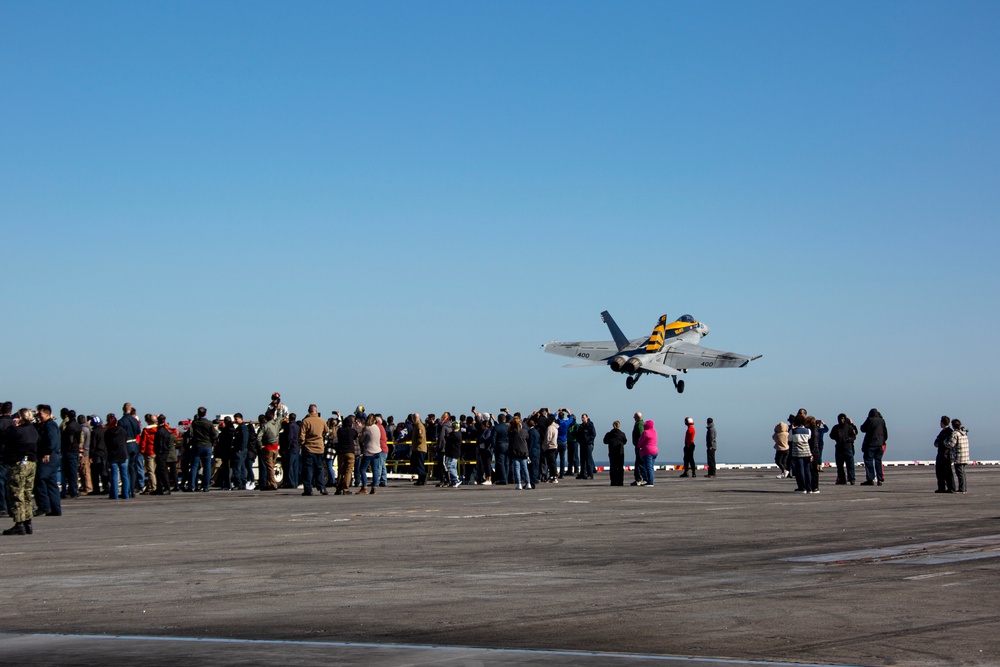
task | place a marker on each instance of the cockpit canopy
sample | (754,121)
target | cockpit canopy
(686,318)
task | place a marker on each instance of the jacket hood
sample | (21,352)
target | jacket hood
(782,427)
(873,413)
(649,423)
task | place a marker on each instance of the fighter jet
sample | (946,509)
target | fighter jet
(673,348)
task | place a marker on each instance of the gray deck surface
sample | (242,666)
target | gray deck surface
(693,571)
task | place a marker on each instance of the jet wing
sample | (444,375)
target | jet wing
(658,368)
(583,350)
(684,355)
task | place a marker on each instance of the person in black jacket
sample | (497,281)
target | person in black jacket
(163,442)
(711,444)
(98,458)
(872,447)
(6,421)
(347,450)
(49,456)
(942,462)
(843,434)
(616,440)
(19,454)
(116,440)
(586,434)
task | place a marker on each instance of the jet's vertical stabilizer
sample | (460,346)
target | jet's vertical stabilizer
(620,340)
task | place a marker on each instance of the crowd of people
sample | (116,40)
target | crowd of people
(43,462)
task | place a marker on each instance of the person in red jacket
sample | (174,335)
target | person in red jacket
(689,463)
(148,452)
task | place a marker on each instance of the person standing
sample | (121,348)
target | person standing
(268,437)
(452,453)
(371,454)
(519,457)
(586,434)
(20,438)
(116,441)
(616,440)
(163,442)
(71,443)
(47,471)
(98,458)
(551,446)
(241,441)
(843,434)
(147,450)
(203,437)
(347,450)
(637,470)
(710,446)
(311,437)
(781,458)
(648,449)
(943,460)
(960,449)
(501,444)
(85,483)
(418,450)
(6,422)
(131,426)
(798,445)
(293,458)
(873,446)
(565,420)
(689,464)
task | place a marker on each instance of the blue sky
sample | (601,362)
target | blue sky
(397,203)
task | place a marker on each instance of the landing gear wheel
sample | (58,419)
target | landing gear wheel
(680,386)
(629,382)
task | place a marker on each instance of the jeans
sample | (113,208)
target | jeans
(873,464)
(535,462)
(239,469)
(574,453)
(500,470)
(136,474)
(312,472)
(803,472)
(418,467)
(119,470)
(71,474)
(845,465)
(292,471)
(47,486)
(587,468)
(649,467)
(521,472)
(373,460)
(381,471)
(331,474)
(202,457)
(960,474)
(561,448)
(638,470)
(452,467)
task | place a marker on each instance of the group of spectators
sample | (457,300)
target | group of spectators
(43,461)
(798,454)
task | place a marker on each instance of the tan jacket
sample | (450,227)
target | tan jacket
(311,436)
(419,438)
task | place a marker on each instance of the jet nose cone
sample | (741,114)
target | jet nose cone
(705,329)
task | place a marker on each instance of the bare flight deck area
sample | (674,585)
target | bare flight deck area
(732,570)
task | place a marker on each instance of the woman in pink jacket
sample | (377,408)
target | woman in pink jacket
(648,451)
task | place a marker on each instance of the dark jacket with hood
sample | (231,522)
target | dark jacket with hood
(876,433)
(843,435)
(616,440)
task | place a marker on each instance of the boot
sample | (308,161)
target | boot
(16,529)
(27,527)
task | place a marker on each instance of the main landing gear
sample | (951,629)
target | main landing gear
(678,384)
(630,381)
